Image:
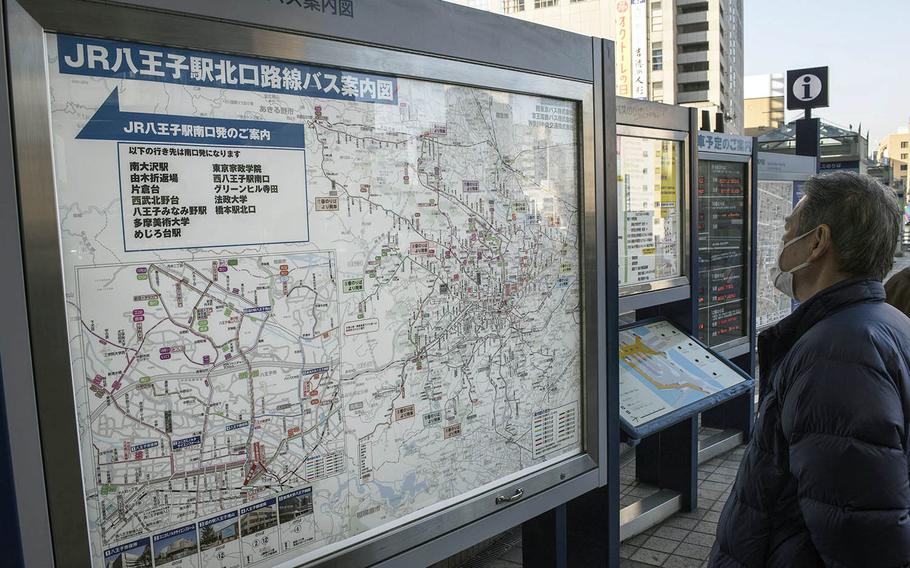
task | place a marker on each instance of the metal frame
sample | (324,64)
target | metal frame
(56,531)
(661,122)
(740,345)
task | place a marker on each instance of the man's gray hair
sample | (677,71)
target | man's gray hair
(864,217)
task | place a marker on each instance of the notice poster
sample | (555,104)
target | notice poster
(275,276)
(775,203)
(722,216)
(650,211)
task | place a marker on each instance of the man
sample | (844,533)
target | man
(897,290)
(825,480)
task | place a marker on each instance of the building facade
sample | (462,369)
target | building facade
(764,103)
(687,52)
(894,150)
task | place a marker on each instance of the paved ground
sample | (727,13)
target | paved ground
(682,541)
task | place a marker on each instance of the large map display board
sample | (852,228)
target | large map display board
(650,210)
(721,251)
(775,203)
(662,370)
(305,303)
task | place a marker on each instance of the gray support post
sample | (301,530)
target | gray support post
(16,378)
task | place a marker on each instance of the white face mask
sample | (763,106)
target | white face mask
(783,279)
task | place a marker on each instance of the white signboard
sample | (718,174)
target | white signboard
(306,304)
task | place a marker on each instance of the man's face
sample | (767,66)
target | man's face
(798,252)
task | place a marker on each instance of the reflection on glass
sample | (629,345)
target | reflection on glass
(721,250)
(775,203)
(650,209)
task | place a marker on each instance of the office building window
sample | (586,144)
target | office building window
(903,167)
(657,18)
(657,91)
(512,6)
(691,67)
(904,156)
(694,8)
(693,47)
(692,28)
(692,87)
(657,57)
(545,3)
(905,144)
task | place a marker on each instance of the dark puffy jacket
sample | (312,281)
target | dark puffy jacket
(825,480)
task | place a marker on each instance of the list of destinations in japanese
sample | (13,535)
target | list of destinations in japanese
(305,304)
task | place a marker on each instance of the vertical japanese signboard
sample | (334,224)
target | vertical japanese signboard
(623,48)
(640,68)
(306,304)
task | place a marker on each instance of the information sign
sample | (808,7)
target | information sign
(650,210)
(306,304)
(663,370)
(721,250)
(807,88)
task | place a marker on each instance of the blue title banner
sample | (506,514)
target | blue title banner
(724,143)
(140,62)
(111,123)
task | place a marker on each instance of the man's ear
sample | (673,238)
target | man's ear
(820,243)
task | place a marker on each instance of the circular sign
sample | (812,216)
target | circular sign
(807,87)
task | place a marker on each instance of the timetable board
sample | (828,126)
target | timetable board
(721,251)
(663,370)
(650,211)
(296,295)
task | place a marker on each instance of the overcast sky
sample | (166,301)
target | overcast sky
(865,43)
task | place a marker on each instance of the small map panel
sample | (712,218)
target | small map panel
(775,203)
(661,369)
(650,209)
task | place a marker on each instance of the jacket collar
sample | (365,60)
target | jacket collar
(776,341)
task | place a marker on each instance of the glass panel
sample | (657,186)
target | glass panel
(306,304)
(650,210)
(775,203)
(721,250)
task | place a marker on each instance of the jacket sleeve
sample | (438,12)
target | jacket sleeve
(844,422)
